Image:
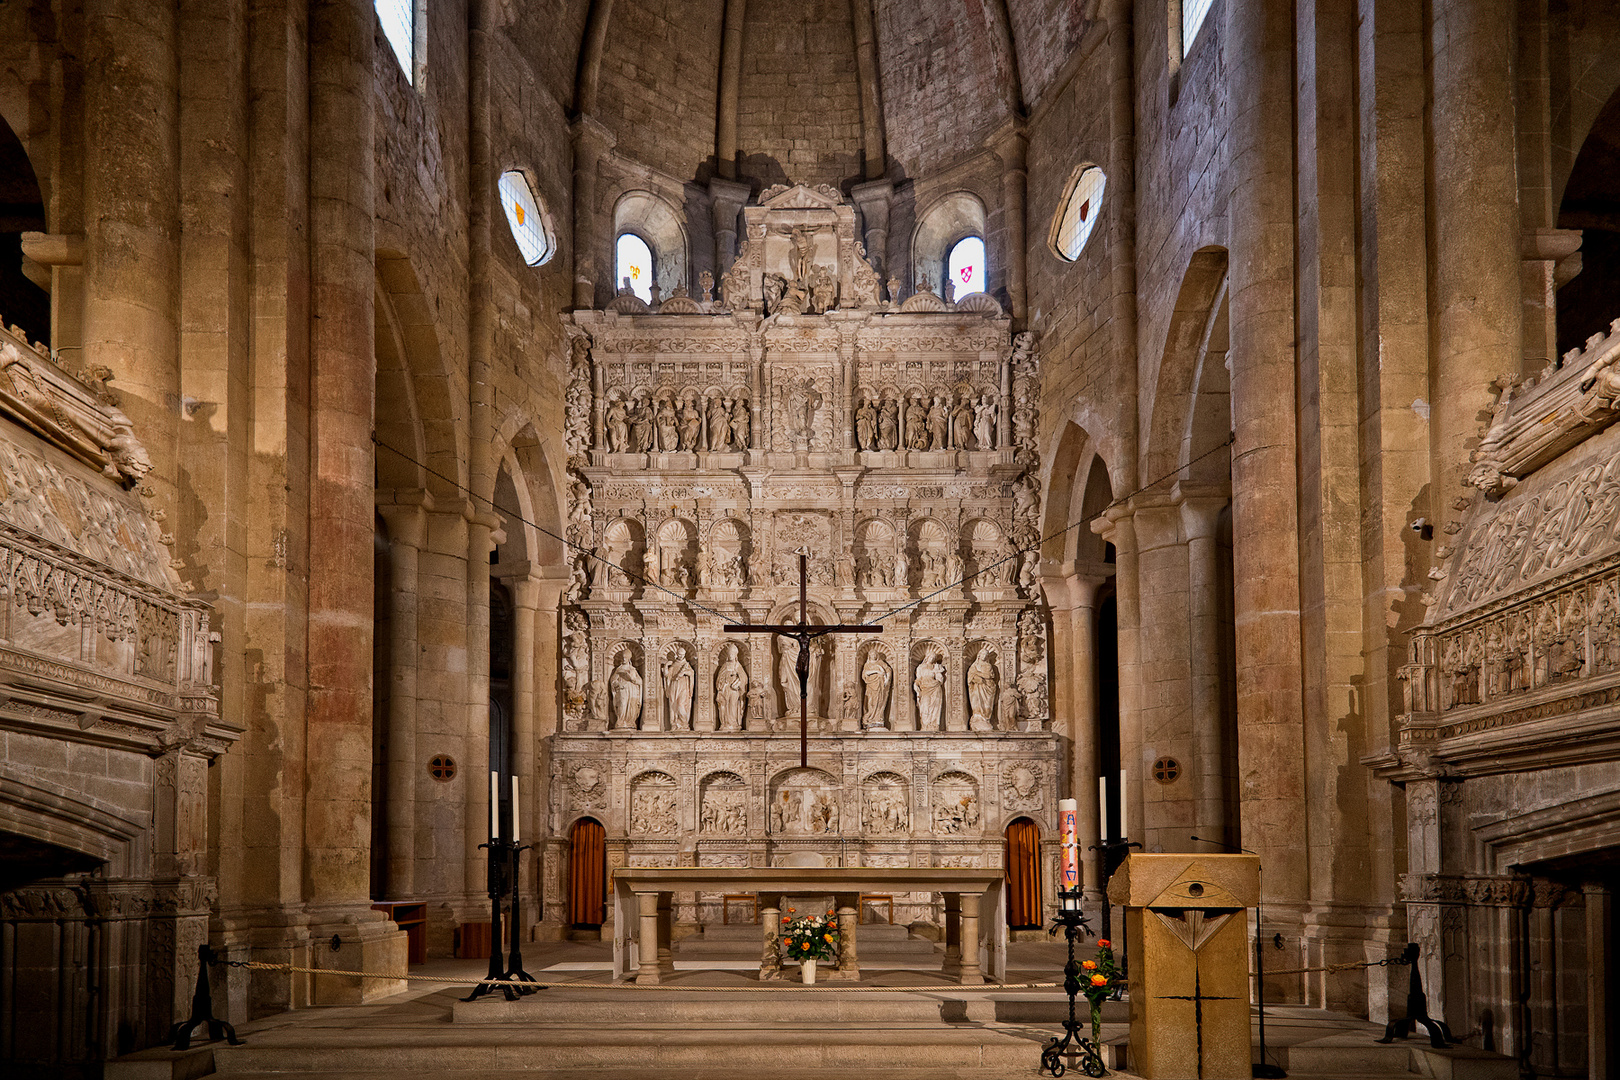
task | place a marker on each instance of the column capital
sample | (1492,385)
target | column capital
(405,511)
(1201,506)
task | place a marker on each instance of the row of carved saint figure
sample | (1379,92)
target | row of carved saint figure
(940,424)
(620,699)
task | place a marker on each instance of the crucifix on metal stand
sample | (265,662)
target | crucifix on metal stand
(803,633)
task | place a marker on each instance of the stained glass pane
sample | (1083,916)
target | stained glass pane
(1078,214)
(966,266)
(527,220)
(1192,19)
(398,18)
(635,263)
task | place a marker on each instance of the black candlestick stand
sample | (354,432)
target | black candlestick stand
(503,857)
(1074,925)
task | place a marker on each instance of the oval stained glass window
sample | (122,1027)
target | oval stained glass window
(1077,213)
(530,227)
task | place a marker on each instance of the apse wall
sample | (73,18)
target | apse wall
(660,81)
(799,98)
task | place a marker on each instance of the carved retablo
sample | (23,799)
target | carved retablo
(709,442)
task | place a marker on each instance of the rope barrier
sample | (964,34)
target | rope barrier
(259,965)
(1397,961)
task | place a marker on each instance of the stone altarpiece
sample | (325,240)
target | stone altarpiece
(711,439)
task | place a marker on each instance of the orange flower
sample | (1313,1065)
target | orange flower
(1099,980)
(805,945)
(826,937)
(1104,943)
(1089,965)
(794,910)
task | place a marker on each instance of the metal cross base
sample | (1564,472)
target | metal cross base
(1073,922)
(503,874)
(202,1010)
(1417,1009)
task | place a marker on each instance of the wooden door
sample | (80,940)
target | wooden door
(1022,862)
(587,873)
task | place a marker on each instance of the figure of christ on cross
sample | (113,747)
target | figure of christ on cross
(803,633)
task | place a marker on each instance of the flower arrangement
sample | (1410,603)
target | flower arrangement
(1099,980)
(809,937)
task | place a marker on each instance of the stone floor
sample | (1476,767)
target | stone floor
(725,1024)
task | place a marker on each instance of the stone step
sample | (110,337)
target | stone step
(674,1007)
(623,1048)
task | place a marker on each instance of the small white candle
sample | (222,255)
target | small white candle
(514,808)
(494,804)
(1102,809)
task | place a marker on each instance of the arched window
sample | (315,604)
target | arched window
(398,19)
(531,227)
(964,268)
(1077,213)
(1192,19)
(634,262)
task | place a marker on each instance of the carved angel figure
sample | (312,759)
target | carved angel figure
(734,287)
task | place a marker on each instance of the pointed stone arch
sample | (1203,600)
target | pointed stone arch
(1202,288)
(421,409)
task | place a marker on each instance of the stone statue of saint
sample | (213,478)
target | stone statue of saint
(678,682)
(939,426)
(668,427)
(641,428)
(962,425)
(624,687)
(889,425)
(719,425)
(691,426)
(982,680)
(902,571)
(878,678)
(618,428)
(917,425)
(730,690)
(787,677)
(984,423)
(866,426)
(929,686)
(740,420)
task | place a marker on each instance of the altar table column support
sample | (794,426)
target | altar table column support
(968,935)
(647,951)
(666,958)
(770,958)
(849,917)
(953,932)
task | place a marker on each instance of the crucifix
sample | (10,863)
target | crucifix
(803,633)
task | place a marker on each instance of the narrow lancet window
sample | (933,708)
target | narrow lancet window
(398,19)
(1192,20)
(965,266)
(635,265)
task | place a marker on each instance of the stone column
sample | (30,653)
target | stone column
(1011,146)
(1084,766)
(969,935)
(482,538)
(770,957)
(647,970)
(872,199)
(1477,238)
(1265,507)
(526,608)
(1200,516)
(132,215)
(1118,528)
(591,140)
(337,833)
(1600,1036)
(849,917)
(846,394)
(725,127)
(726,200)
(406,516)
(1165,727)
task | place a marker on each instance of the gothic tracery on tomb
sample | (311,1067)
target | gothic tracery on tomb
(710,440)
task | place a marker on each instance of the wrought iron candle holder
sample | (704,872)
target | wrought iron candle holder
(503,879)
(1072,921)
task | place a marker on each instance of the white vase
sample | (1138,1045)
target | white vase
(807,971)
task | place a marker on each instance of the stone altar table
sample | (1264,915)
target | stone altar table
(975,934)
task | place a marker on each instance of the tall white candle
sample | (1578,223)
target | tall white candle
(1069,848)
(1102,809)
(515,803)
(494,804)
(1124,819)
